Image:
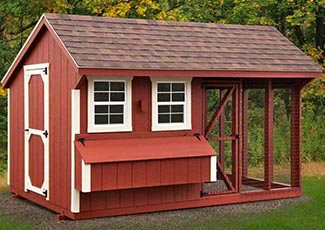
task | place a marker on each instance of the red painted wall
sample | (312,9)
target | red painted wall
(141,121)
(141,115)
(151,173)
(62,80)
(139,197)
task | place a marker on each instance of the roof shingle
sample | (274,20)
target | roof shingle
(101,42)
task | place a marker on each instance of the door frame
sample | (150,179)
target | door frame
(43,71)
(232,89)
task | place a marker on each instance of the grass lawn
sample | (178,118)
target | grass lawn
(308,215)
(6,224)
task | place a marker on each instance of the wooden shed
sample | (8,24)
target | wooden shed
(110,116)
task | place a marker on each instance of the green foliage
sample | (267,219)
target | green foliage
(3,134)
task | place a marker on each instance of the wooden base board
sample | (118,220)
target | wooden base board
(203,202)
(223,199)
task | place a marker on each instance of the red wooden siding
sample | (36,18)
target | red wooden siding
(138,197)
(137,174)
(141,112)
(36,103)
(36,160)
(141,104)
(62,79)
(17,132)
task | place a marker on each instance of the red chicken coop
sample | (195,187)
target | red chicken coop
(115,116)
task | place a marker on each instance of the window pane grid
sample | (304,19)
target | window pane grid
(170,102)
(109,94)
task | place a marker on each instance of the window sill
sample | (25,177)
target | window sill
(106,129)
(169,127)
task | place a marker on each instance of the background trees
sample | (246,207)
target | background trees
(301,21)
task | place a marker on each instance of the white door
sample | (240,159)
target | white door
(36,101)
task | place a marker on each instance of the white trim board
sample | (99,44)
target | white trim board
(29,71)
(8,137)
(85,177)
(213,169)
(75,129)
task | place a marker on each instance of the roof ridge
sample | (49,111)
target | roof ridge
(53,16)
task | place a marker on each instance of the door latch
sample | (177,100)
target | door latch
(26,130)
(45,133)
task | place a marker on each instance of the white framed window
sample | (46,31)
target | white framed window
(171,104)
(109,104)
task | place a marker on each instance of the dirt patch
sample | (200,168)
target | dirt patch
(42,218)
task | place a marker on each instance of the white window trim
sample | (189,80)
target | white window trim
(187,124)
(127,126)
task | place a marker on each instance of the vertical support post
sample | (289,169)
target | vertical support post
(245,133)
(239,139)
(235,132)
(295,138)
(222,133)
(268,136)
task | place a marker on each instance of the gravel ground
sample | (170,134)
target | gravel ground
(42,218)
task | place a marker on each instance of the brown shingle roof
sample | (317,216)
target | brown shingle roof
(113,43)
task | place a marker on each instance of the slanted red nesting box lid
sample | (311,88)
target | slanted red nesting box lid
(101,151)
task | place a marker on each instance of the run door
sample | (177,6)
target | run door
(36,94)
(223,130)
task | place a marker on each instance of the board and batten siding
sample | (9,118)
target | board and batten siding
(62,80)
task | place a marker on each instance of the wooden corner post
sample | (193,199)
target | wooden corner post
(295,137)
(268,136)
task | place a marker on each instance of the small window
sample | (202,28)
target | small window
(171,104)
(109,103)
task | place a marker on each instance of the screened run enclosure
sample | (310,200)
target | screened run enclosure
(262,112)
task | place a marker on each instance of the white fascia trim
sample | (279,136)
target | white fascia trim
(187,125)
(58,37)
(85,177)
(213,169)
(8,138)
(127,127)
(75,129)
(23,47)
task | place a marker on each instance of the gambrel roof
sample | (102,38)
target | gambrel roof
(136,44)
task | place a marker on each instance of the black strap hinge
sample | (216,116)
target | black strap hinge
(45,70)
(197,135)
(45,133)
(45,192)
(82,140)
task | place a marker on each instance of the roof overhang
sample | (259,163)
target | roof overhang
(29,41)
(191,73)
